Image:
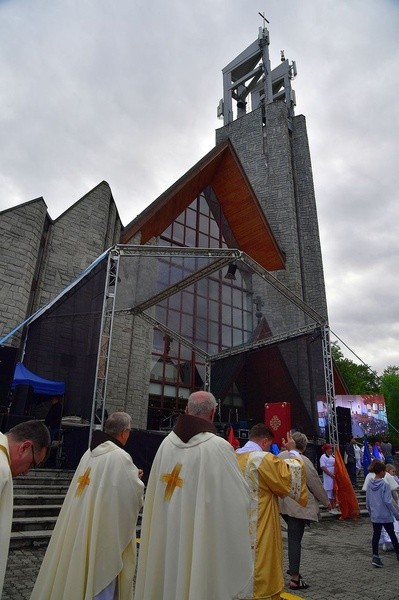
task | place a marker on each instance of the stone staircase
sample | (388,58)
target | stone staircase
(361,498)
(38,497)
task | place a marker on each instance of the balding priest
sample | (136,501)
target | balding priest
(195,536)
(92,552)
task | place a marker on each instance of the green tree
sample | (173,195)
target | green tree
(390,388)
(360,379)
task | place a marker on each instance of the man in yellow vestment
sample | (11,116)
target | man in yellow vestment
(194,538)
(23,447)
(269,478)
(92,552)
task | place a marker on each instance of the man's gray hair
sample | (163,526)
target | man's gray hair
(34,431)
(117,422)
(201,403)
(300,440)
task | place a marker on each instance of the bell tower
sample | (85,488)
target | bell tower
(249,81)
(258,111)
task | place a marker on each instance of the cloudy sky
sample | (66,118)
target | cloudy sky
(126,91)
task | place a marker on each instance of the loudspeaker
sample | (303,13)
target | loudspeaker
(75,443)
(22,398)
(11,420)
(8,357)
(344,423)
(142,446)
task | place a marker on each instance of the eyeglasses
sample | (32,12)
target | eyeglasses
(34,464)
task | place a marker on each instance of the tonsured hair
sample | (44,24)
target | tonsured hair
(201,403)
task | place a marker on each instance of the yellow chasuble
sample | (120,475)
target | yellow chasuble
(269,478)
(6,505)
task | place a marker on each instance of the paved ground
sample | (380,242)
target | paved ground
(336,562)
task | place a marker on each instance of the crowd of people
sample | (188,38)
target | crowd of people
(211,524)
(381,485)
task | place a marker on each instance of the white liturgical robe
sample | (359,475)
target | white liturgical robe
(94,540)
(195,537)
(6,506)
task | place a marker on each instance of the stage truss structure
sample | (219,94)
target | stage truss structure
(214,260)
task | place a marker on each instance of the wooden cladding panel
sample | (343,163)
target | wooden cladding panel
(244,214)
(221,169)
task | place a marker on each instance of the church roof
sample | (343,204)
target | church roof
(222,170)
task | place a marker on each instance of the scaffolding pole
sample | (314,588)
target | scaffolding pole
(329,381)
(105,338)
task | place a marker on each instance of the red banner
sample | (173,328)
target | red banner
(346,497)
(278,418)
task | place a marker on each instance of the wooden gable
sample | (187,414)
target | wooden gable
(220,169)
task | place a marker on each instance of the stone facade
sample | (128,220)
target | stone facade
(276,159)
(274,152)
(77,238)
(40,257)
(22,236)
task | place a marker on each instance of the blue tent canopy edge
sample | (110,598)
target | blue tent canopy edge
(22,376)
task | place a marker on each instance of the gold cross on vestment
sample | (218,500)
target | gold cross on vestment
(172,481)
(83,481)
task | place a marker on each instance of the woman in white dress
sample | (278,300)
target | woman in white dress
(327,465)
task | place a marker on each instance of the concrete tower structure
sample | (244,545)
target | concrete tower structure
(272,144)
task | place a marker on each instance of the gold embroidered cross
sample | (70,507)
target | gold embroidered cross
(83,481)
(172,481)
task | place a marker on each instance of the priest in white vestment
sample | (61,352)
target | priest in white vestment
(23,447)
(92,551)
(194,538)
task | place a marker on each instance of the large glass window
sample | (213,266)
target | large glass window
(215,313)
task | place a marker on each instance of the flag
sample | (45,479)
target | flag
(232,439)
(376,451)
(274,449)
(366,457)
(345,493)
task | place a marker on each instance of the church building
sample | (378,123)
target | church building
(249,329)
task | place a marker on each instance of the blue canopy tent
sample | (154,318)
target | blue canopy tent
(22,376)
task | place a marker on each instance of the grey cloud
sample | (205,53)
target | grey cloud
(127,92)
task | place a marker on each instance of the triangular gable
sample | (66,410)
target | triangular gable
(222,170)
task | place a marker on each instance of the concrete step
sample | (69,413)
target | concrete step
(38,497)
(27,538)
(36,490)
(34,481)
(35,499)
(361,498)
(33,523)
(36,510)
(23,539)
(325,514)
(47,474)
